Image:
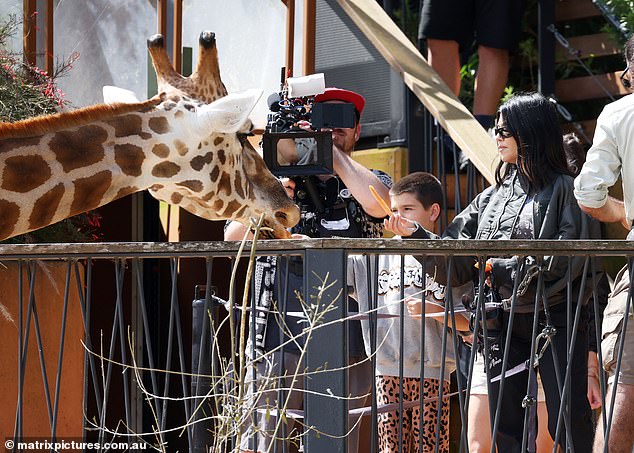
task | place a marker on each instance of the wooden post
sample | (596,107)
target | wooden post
(48,46)
(290,36)
(310,14)
(162,17)
(29,35)
(178,35)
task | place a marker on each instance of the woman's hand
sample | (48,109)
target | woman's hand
(399,225)
(594,387)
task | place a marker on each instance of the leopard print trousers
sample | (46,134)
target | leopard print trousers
(387,392)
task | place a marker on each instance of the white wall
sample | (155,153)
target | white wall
(251,40)
(8,8)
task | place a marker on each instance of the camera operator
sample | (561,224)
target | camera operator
(338,205)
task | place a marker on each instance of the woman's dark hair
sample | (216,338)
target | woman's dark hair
(533,121)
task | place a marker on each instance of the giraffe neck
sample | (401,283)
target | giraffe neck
(53,176)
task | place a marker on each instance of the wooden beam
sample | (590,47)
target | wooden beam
(161,17)
(575,9)
(425,83)
(597,45)
(310,19)
(29,35)
(582,88)
(290,35)
(178,36)
(49,48)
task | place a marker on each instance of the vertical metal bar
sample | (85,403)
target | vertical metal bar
(181,349)
(443,354)
(619,355)
(136,266)
(40,345)
(423,325)
(401,343)
(62,336)
(324,283)
(546,45)
(597,329)
(17,432)
(505,360)
(310,25)
(373,290)
(120,266)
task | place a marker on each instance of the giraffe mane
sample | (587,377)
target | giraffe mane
(34,127)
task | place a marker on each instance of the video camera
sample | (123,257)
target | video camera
(298,140)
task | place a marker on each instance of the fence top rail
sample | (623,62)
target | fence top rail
(300,246)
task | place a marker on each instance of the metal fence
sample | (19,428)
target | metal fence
(159,382)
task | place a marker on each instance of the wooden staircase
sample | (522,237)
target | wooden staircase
(590,46)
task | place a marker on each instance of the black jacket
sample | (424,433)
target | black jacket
(556,215)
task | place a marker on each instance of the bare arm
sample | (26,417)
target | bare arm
(235,232)
(612,211)
(357,179)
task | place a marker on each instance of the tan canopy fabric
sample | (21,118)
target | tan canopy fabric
(425,83)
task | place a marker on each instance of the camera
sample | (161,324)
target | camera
(297,140)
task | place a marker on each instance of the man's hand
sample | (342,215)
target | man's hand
(400,225)
(611,212)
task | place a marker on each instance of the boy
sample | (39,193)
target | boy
(416,200)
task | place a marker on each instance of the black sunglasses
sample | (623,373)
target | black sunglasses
(503,132)
(626,82)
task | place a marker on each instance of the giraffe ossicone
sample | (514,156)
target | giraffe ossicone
(186,146)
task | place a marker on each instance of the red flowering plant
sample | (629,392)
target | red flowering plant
(27,91)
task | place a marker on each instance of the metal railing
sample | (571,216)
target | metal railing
(142,382)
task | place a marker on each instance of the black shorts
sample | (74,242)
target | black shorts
(492,23)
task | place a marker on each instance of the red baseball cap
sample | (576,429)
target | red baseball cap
(337,94)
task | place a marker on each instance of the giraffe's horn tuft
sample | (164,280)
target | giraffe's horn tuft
(156,41)
(207,39)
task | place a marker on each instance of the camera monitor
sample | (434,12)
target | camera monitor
(298,153)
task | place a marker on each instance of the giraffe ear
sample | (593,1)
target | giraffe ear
(115,95)
(228,114)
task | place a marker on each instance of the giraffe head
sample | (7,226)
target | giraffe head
(240,185)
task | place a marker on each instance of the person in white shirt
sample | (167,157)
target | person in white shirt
(611,156)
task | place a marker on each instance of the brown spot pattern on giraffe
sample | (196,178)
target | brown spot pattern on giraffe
(129,158)
(232,207)
(128,125)
(209,196)
(237,184)
(12,143)
(9,214)
(240,213)
(24,173)
(126,191)
(214,174)
(217,206)
(181,148)
(192,184)
(45,207)
(79,148)
(199,162)
(159,125)
(221,156)
(165,170)
(89,191)
(161,150)
(176,198)
(224,185)
(218,140)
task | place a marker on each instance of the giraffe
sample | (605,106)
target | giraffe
(187,146)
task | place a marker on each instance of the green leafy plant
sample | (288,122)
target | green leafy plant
(27,91)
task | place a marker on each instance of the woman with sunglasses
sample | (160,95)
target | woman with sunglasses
(532,199)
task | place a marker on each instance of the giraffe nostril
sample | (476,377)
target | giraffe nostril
(281,217)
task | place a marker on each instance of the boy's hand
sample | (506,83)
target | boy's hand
(399,225)
(414,306)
